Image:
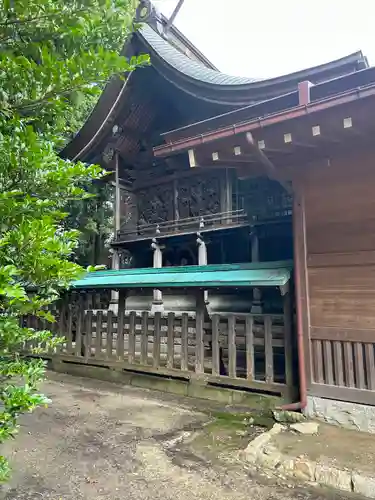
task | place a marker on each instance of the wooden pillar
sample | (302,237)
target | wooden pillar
(226,194)
(117,224)
(157,301)
(117,195)
(202,259)
(256,307)
(199,340)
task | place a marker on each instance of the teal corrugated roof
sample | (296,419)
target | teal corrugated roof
(212,276)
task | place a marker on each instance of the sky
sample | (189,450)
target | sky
(267,38)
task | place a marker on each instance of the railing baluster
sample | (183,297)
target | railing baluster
(232,354)
(69,335)
(170,340)
(288,346)
(215,345)
(109,346)
(349,364)
(144,338)
(249,348)
(268,348)
(184,341)
(370,366)
(131,341)
(339,372)
(157,337)
(199,346)
(328,361)
(359,368)
(120,327)
(88,335)
(98,334)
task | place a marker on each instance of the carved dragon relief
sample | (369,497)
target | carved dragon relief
(196,196)
(155,204)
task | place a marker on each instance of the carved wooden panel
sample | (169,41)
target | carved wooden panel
(155,204)
(198,196)
(264,199)
(129,216)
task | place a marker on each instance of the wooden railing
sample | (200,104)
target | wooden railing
(343,364)
(186,225)
(249,351)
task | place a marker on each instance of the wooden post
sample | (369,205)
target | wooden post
(117,224)
(117,195)
(157,302)
(256,307)
(226,194)
(176,214)
(288,343)
(202,259)
(120,326)
(199,341)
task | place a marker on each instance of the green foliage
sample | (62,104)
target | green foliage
(93,218)
(54,54)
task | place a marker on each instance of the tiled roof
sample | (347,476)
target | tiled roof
(187,66)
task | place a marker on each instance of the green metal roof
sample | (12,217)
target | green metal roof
(212,276)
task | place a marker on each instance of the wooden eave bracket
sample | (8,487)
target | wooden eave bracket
(269,167)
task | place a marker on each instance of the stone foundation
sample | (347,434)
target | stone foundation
(349,415)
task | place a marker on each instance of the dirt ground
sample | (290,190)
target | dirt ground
(100,441)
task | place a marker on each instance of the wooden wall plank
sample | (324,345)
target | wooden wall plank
(342,297)
(342,334)
(343,394)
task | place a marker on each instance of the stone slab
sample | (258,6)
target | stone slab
(348,415)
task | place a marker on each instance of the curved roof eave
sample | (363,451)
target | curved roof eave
(196,79)
(214,86)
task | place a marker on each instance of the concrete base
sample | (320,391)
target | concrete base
(180,387)
(349,415)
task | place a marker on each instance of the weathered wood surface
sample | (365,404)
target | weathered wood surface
(339,205)
(232,347)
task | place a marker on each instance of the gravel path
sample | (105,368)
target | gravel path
(99,441)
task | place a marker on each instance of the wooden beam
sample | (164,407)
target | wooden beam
(117,194)
(192,159)
(270,168)
(168,178)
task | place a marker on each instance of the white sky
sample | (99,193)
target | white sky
(267,38)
